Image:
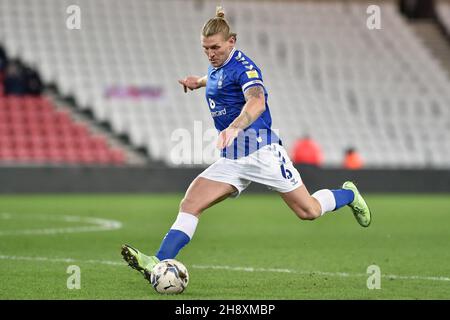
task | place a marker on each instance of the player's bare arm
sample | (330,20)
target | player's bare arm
(253,108)
(193,82)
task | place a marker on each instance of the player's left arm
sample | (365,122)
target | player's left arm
(193,82)
(255,105)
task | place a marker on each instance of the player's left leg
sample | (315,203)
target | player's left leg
(201,194)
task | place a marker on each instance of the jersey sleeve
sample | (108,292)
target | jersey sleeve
(248,78)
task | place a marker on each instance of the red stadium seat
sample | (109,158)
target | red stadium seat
(117,156)
(4,129)
(7,154)
(98,142)
(62,118)
(6,142)
(32,130)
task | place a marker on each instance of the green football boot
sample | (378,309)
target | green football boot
(138,261)
(359,207)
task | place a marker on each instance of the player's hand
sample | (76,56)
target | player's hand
(191,82)
(227,136)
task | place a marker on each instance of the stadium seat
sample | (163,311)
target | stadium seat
(33,131)
(327,74)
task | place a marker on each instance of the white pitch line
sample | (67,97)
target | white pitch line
(322,273)
(246,269)
(65,260)
(230,268)
(96,224)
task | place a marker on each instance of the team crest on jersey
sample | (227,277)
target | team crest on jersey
(252,74)
(221,79)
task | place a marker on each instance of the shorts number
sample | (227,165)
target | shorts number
(287,174)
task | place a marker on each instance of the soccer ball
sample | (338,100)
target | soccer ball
(169,277)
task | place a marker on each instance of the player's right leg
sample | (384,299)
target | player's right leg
(287,181)
(310,207)
(201,194)
(359,206)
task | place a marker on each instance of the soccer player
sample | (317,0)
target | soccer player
(250,149)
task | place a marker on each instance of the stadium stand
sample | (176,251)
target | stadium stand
(33,131)
(328,75)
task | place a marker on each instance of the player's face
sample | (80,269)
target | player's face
(217,49)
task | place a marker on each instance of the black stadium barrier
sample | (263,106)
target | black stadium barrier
(150,179)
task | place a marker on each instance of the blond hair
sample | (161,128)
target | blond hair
(218,24)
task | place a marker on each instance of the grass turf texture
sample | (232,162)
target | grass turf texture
(409,236)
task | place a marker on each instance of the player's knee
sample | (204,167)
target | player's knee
(191,206)
(306,213)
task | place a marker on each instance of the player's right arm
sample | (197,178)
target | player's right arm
(193,82)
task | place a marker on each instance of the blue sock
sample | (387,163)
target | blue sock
(172,243)
(343,197)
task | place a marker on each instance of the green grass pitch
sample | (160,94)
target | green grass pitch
(252,247)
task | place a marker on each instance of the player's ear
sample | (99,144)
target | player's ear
(232,40)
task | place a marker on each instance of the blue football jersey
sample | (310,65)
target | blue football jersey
(225,89)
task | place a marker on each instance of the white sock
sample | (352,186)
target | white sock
(186,222)
(326,200)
